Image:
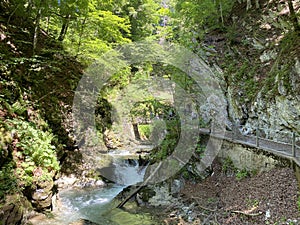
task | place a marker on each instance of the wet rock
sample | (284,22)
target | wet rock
(80,182)
(99,183)
(89,182)
(42,196)
(162,194)
(41,199)
(66,181)
(162,197)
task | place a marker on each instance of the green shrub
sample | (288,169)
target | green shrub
(35,152)
(228,165)
(200,149)
(242,174)
(145,130)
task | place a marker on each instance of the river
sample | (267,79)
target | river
(98,204)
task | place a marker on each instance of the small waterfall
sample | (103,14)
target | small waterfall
(127,171)
(96,204)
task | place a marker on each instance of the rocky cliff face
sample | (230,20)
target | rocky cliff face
(275,108)
(260,61)
(275,111)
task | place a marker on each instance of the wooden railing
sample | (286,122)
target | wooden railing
(281,148)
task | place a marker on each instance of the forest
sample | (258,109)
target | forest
(97,94)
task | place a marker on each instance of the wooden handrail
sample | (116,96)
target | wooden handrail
(290,153)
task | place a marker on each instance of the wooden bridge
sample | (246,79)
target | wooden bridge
(283,149)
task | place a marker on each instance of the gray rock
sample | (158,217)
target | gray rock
(268,55)
(277,116)
(177,186)
(162,196)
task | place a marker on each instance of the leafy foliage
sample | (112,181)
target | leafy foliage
(145,130)
(241,174)
(169,142)
(191,19)
(228,167)
(88,29)
(35,152)
(144,18)
(244,78)
(298,203)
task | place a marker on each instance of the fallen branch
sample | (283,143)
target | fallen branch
(247,214)
(129,197)
(211,210)
(140,187)
(216,220)
(207,218)
(202,207)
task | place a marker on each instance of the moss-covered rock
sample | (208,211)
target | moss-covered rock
(14,209)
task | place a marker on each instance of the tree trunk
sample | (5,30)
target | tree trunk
(8,21)
(136,131)
(64,28)
(293,16)
(220,10)
(80,35)
(36,29)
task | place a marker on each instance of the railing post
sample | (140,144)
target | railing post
(257,132)
(257,136)
(293,144)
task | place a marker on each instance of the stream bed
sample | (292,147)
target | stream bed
(95,205)
(98,204)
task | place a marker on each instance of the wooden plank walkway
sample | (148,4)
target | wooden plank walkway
(289,151)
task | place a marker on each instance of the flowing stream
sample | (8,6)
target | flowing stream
(97,204)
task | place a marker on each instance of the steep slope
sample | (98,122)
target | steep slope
(36,94)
